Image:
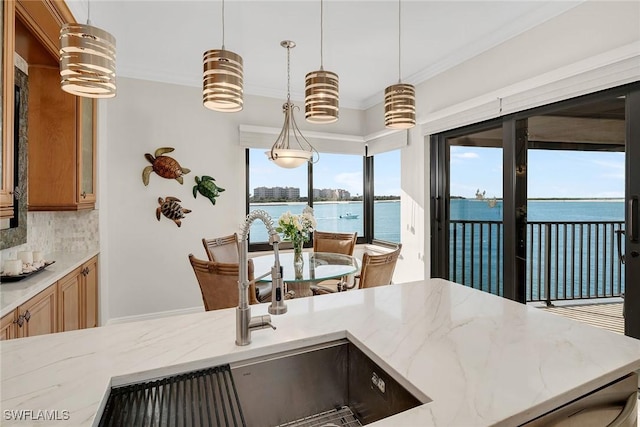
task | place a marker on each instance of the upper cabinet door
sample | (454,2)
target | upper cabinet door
(86,132)
(61,127)
(6,110)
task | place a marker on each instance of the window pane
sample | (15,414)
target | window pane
(274,190)
(386,205)
(337,193)
(475,206)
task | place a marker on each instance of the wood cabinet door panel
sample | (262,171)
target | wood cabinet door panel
(40,314)
(91,293)
(70,302)
(86,149)
(7,45)
(8,327)
(52,142)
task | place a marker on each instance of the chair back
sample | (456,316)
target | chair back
(337,243)
(222,249)
(377,270)
(219,283)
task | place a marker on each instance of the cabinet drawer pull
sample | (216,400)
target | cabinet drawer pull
(27,316)
(20,321)
(84,194)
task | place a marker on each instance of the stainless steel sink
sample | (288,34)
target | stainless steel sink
(332,384)
(326,379)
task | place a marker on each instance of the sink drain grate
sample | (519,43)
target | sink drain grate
(200,398)
(340,417)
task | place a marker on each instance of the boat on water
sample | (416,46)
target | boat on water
(349,215)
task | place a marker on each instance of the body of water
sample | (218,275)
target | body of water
(580,261)
(541,210)
(332,216)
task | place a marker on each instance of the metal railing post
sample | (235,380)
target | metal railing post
(547,260)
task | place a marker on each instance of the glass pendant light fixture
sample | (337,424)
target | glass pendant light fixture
(321,89)
(87,60)
(222,80)
(400,98)
(281,152)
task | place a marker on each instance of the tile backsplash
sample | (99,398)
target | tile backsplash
(58,232)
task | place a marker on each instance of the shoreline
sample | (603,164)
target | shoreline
(324,202)
(611,199)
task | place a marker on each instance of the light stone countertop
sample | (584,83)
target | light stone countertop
(12,294)
(483,360)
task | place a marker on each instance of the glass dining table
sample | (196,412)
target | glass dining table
(316,267)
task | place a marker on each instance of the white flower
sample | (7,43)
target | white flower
(296,227)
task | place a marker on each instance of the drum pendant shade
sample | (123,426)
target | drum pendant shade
(321,97)
(400,98)
(400,106)
(87,61)
(321,88)
(222,81)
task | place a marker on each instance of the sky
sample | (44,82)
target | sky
(331,171)
(551,174)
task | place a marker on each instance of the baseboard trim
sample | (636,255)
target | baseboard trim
(156,315)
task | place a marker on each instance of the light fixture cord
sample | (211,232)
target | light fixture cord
(288,75)
(321,34)
(222,24)
(399,44)
(88,12)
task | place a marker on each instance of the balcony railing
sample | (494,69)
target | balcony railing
(565,260)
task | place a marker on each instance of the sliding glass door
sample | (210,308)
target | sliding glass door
(632,215)
(542,206)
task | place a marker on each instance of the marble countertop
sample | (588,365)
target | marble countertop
(483,360)
(12,294)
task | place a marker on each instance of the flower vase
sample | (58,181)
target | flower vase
(298,262)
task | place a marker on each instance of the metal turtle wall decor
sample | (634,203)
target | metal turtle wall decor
(207,187)
(170,207)
(165,166)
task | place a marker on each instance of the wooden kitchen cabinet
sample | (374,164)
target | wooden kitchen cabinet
(78,297)
(61,126)
(90,293)
(8,326)
(40,314)
(70,303)
(62,145)
(7,11)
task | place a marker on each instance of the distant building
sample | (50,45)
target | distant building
(276,193)
(331,194)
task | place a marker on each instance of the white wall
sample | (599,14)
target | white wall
(146,268)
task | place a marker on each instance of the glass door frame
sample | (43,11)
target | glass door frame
(632,215)
(515,142)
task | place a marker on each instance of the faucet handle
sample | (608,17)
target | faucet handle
(261,322)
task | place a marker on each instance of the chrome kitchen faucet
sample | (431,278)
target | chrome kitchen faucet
(244,322)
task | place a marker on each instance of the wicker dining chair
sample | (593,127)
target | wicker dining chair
(377,270)
(226,249)
(222,249)
(337,243)
(219,283)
